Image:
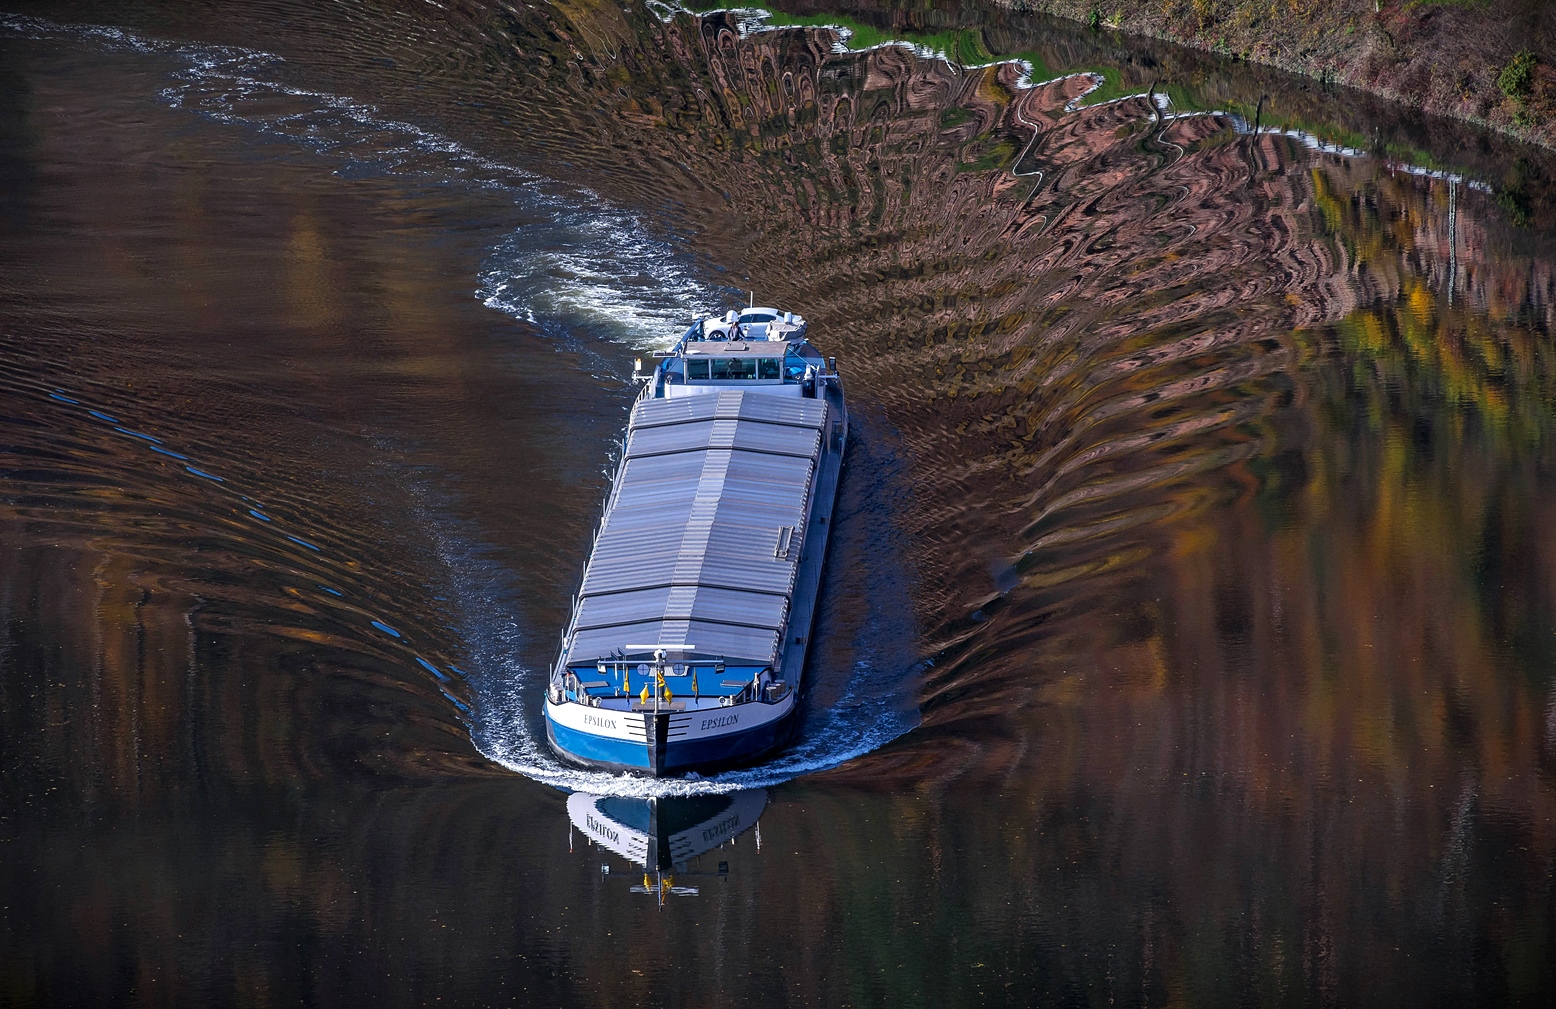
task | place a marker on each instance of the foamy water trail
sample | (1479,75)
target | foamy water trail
(584,268)
(599,273)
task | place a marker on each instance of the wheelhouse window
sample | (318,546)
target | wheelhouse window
(734,369)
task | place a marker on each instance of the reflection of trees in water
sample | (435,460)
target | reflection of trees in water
(142,677)
(1275,649)
(1273,503)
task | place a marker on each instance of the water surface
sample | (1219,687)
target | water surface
(1190,630)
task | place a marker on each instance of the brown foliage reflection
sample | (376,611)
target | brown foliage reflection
(1227,470)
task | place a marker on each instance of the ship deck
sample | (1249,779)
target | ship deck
(702,537)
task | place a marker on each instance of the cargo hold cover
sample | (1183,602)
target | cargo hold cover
(701,540)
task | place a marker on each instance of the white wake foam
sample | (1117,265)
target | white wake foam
(584,268)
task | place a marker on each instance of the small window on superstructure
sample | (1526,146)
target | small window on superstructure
(696,370)
(734,368)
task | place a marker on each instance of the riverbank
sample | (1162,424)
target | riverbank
(1491,62)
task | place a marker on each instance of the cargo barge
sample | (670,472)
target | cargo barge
(688,638)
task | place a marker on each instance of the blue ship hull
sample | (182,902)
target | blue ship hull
(671,757)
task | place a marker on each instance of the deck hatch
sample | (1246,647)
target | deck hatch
(687,551)
(748,435)
(730,404)
(685,602)
(712,639)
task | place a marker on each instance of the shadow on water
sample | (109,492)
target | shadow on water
(1195,528)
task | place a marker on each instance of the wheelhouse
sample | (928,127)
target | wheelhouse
(757,347)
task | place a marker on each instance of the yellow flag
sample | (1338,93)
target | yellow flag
(645,693)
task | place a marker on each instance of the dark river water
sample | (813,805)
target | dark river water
(1189,634)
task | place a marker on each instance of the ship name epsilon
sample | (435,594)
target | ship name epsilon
(601,829)
(724,826)
(720,722)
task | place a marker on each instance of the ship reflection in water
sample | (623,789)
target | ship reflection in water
(666,836)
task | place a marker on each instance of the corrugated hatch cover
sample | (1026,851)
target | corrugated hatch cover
(702,540)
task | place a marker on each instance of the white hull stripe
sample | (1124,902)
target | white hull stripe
(702,723)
